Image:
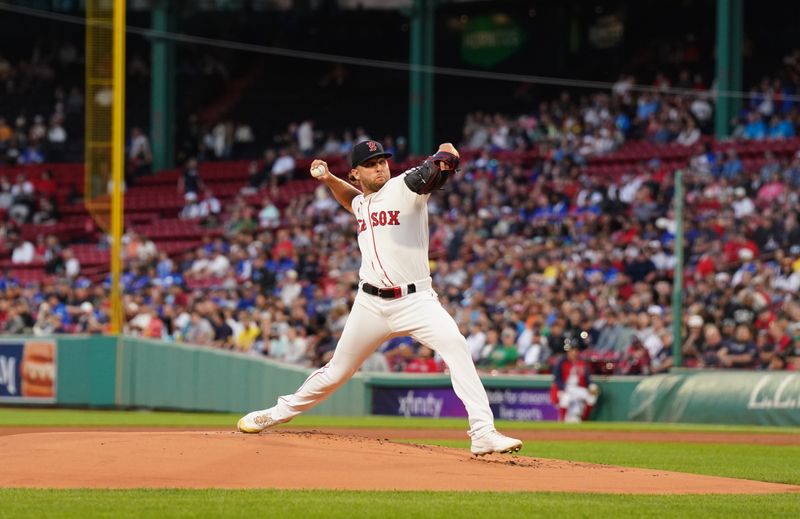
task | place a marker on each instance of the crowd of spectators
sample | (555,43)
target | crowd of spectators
(527,258)
(35,118)
(674,110)
(23,200)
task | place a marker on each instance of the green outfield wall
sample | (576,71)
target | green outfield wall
(125,372)
(100,371)
(161,375)
(86,371)
(736,397)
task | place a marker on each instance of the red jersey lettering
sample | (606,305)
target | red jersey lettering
(381,218)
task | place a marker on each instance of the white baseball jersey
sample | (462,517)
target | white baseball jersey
(392,235)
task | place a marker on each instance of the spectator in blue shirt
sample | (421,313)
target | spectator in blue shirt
(732,167)
(780,128)
(755,127)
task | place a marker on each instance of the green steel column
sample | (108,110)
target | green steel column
(722,114)
(420,98)
(428,78)
(162,88)
(729,62)
(677,278)
(736,37)
(415,81)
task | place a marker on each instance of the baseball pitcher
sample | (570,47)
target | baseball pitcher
(395,296)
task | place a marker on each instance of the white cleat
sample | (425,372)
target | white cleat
(257,421)
(495,442)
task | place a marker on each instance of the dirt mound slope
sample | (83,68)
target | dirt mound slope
(313,459)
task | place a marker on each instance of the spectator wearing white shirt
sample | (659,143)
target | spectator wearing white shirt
(283,168)
(537,351)
(56,134)
(192,210)
(22,187)
(38,130)
(291,288)
(305,138)
(219,266)
(627,193)
(742,205)
(140,145)
(210,206)
(22,199)
(690,134)
(296,346)
(23,251)
(56,139)
(476,340)
(72,267)
(786,280)
(200,265)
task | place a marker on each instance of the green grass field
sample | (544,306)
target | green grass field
(758,462)
(84,418)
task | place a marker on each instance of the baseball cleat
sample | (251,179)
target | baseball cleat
(257,421)
(495,442)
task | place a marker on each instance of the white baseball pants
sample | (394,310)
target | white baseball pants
(575,399)
(372,321)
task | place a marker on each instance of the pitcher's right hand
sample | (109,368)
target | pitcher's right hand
(319,169)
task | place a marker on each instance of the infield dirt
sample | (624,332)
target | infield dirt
(291,459)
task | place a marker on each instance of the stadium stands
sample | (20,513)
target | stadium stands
(524,241)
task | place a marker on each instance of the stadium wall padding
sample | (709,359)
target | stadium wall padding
(102,371)
(105,371)
(720,397)
(160,375)
(86,371)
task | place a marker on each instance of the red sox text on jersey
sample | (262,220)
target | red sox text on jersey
(379,219)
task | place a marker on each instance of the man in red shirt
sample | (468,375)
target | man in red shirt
(424,362)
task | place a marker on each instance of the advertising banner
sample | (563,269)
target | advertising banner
(27,371)
(733,397)
(506,404)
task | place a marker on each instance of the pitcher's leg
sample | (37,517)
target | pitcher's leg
(436,329)
(364,331)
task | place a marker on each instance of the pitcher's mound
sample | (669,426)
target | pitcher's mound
(284,459)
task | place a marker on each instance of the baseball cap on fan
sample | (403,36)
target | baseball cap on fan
(363,151)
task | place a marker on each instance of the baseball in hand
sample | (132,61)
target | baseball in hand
(318,171)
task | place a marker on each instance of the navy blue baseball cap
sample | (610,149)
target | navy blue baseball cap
(363,151)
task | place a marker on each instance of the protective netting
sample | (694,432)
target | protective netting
(99,104)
